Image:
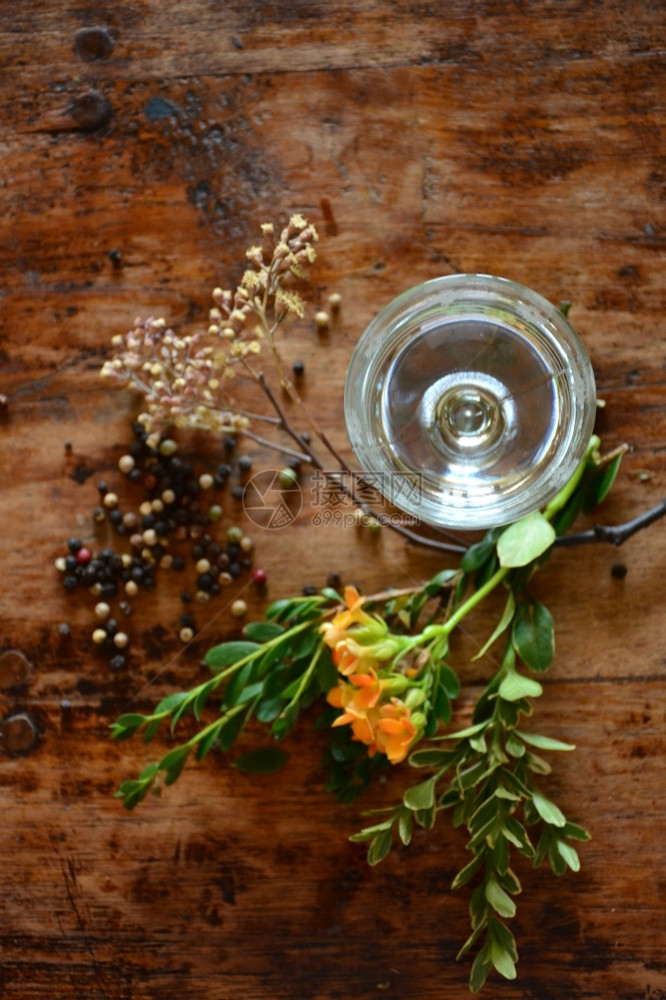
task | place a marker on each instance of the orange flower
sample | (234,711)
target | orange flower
(350,657)
(353,614)
(358,712)
(385,727)
(395,731)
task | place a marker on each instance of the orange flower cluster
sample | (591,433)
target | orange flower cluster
(360,642)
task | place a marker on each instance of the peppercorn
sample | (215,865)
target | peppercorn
(244,463)
(298,368)
(238,608)
(287,478)
(168,447)
(117,662)
(309,590)
(259,577)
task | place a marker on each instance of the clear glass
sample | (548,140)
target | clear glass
(475,392)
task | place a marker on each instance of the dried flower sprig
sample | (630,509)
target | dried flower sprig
(184,380)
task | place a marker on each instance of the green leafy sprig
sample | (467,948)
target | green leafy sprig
(487,774)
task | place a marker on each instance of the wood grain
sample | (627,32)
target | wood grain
(141,146)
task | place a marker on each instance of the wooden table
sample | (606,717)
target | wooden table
(142,145)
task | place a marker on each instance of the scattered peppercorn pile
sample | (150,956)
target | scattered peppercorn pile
(176,528)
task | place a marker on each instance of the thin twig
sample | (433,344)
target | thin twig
(616,534)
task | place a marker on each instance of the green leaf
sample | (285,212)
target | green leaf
(533,634)
(132,792)
(509,880)
(380,847)
(601,484)
(502,625)
(150,730)
(525,540)
(480,969)
(281,610)
(468,872)
(439,580)
(268,709)
(265,760)
(502,961)
(515,686)
(200,701)
(173,764)
(326,672)
(500,900)
(537,764)
(501,857)
(205,745)
(468,731)
(431,757)
(544,742)
(171,702)
(235,687)
(449,680)
(569,854)
(228,653)
(303,645)
(516,834)
(476,554)
(549,812)
(130,721)
(370,832)
(230,731)
(500,933)
(405,826)
(575,832)
(421,796)
(426,817)
(262,631)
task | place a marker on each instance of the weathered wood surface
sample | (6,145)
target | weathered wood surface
(521,140)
